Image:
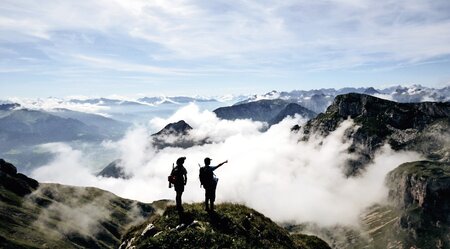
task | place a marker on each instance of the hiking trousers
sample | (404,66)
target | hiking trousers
(210,197)
(179,189)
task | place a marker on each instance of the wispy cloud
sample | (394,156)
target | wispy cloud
(397,30)
(124,66)
(193,37)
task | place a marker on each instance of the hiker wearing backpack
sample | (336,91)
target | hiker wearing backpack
(178,177)
(209,182)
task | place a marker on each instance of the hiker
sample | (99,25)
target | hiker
(209,182)
(180,178)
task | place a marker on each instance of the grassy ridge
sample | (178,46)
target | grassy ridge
(231,226)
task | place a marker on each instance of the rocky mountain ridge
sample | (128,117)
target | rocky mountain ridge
(402,125)
(318,100)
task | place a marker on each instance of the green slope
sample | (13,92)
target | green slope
(231,226)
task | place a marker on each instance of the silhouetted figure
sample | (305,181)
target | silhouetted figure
(209,182)
(180,174)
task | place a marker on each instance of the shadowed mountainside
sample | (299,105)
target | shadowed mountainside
(42,215)
(270,111)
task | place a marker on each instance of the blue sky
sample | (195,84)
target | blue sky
(129,47)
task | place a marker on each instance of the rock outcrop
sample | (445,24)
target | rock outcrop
(17,183)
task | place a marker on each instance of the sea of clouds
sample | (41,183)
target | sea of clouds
(269,170)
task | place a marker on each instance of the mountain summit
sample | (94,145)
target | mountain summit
(177,129)
(232,226)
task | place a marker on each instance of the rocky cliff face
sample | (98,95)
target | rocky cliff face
(420,193)
(402,125)
(424,186)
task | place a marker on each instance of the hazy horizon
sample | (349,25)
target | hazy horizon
(136,96)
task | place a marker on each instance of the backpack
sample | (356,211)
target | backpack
(206,176)
(174,176)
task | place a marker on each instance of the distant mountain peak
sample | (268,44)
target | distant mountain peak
(176,128)
(371,91)
(115,170)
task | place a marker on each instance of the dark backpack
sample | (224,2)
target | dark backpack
(206,176)
(175,176)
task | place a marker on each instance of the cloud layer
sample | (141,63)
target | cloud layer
(270,171)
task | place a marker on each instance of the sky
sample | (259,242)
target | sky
(130,47)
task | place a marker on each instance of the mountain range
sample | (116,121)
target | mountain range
(416,214)
(21,129)
(318,100)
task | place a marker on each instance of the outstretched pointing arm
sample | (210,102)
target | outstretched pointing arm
(220,164)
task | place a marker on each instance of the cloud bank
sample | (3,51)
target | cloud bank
(270,171)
